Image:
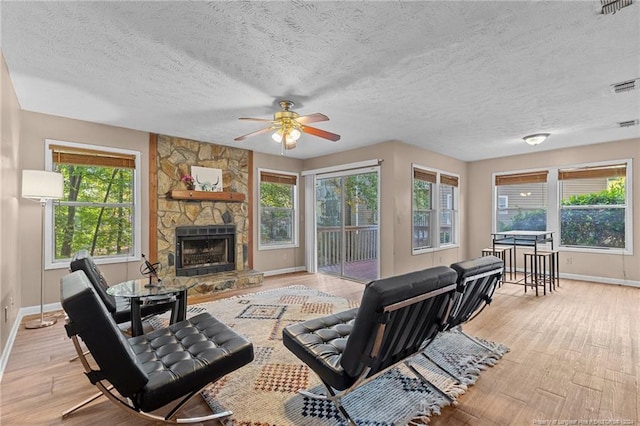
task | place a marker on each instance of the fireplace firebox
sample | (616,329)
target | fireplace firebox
(205,249)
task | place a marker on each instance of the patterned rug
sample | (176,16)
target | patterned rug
(264,393)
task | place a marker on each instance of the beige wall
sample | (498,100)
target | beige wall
(10,271)
(479,200)
(27,131)
(395,201)
(35,129)
(277,259)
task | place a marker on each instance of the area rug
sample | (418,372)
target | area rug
(264,392)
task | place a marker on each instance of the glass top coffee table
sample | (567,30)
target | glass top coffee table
(144,290)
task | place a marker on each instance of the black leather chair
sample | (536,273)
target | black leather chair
(477,281)
(154,369)
(119,307)
(398,317)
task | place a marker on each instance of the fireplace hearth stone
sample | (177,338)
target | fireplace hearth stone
(224,281)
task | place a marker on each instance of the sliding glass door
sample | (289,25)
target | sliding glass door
(347,206)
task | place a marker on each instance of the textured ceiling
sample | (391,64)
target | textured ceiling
(466,79)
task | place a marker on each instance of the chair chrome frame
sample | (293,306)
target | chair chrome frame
(106,389)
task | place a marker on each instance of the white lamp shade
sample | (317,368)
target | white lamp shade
(42,185)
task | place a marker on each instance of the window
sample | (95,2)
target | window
(448,213)
(522,201)
(587,206)
(100,209)
(593,206)
(428,214)
(278,206)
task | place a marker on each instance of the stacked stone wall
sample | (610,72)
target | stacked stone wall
(175,158)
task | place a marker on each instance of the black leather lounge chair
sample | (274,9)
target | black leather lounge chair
(477,281)
(154,369)
(118,307)
(398,317)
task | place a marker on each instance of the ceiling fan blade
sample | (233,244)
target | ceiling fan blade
(312,118)
(321,133)
(264,120)
(248,135)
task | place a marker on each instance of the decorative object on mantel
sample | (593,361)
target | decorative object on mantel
(189,182)
(181,194)
(207,179)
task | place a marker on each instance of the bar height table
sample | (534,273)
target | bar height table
(522,239)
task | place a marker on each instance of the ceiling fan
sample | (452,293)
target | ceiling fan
(288,126)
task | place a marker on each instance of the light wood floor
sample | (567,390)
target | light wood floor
(575,356)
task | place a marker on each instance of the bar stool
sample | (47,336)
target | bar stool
(542,267)
(504,253)
(554,267)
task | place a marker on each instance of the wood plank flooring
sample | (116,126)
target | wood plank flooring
(574,359)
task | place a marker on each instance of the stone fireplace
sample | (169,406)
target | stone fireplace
(202,250)
(204,238)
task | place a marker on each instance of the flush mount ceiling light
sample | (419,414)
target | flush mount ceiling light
(536,139)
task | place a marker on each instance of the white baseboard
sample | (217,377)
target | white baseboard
(601,280)
(285,271)
(33,310)
(22,312)
(7,349)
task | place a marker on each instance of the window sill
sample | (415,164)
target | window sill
(415,252)
(64,264)
(277,247)
(618,252)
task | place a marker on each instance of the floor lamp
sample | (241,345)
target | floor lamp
(42,186)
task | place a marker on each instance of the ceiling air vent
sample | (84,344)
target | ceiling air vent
(628,123)
(612,6)
(625,86)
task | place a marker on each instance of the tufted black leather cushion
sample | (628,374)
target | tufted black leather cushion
(473,294)
(334,346)
(159,367)
(84,262)
(320,343)
(186,356)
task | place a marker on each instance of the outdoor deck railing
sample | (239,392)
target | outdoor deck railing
(361,243)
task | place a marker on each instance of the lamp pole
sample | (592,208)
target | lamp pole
(42,322)
(41,185)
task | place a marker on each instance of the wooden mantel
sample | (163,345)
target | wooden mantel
(186,194)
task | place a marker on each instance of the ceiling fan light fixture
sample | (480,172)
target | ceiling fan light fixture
(288,126)
(277,136)
(294,134)
(536,139)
